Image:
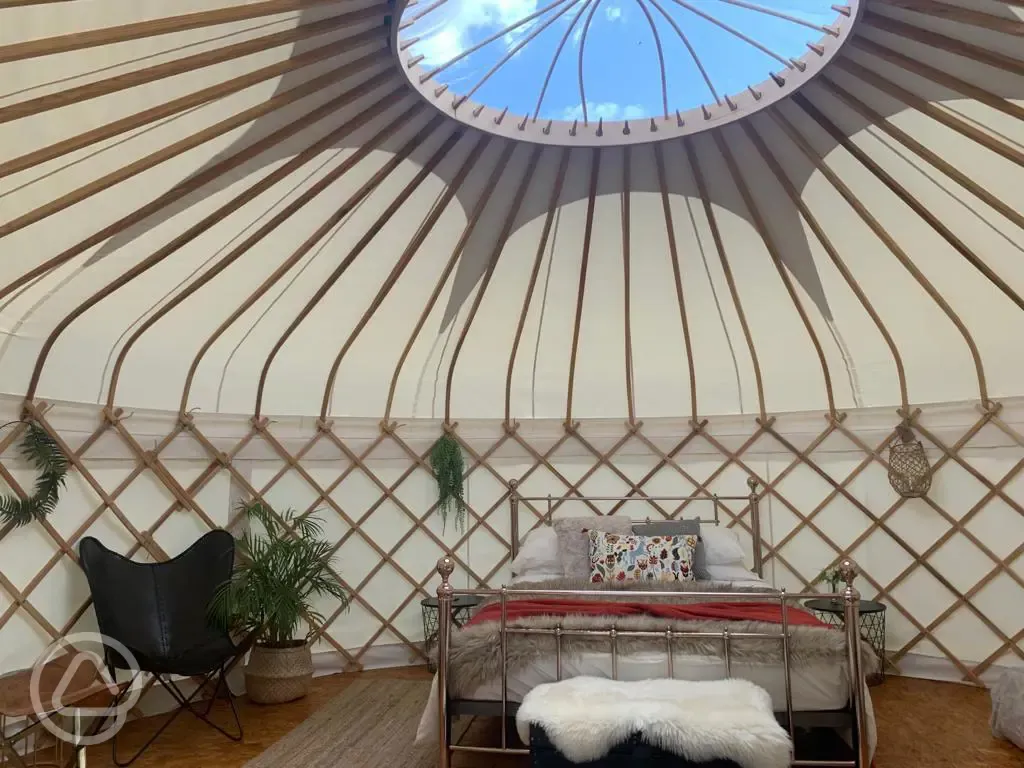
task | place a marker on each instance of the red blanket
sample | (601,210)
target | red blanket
(715,611)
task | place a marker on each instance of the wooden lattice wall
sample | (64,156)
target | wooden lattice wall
(948,565)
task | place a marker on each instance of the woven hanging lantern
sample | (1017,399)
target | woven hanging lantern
(910,474)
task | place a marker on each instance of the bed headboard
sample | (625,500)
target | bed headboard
(752,499)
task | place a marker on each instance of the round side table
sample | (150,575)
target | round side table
(62,686)
(462,610)
(872,626)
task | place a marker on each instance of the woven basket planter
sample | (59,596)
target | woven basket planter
(277,675)
(910,474)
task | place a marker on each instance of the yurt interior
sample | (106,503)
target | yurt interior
(507,383)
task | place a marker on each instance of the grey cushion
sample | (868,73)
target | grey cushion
(574,544)
(679,528)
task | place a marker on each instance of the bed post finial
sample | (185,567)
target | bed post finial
(513,509)
(445,567)
(848,571)
(755,526)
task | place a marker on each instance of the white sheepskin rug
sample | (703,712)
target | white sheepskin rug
(585,717)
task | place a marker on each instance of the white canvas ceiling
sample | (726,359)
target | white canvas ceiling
(249,208)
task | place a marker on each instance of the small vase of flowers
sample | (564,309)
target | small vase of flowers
(833,578)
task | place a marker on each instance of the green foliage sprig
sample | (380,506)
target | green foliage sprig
(449,467)
(833,577)
(276,578)
(38,447)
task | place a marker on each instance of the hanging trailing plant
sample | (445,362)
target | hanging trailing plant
(447,462)
(50,462)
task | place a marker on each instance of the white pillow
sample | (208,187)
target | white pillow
(538,553)
(721,546)
(732,573)
(536,576)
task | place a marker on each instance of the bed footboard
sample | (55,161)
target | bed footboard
(849,595)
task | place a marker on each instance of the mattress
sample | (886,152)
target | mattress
(815,687)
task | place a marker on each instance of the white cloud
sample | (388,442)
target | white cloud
(444,45)
(613,13)
(607,110)
(458,25)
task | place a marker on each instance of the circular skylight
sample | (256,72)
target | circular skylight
(592,72)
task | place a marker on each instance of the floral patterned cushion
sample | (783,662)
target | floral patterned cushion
(630,557)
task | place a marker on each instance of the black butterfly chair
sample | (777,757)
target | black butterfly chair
(158,611)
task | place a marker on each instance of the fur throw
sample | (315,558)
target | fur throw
(475,651)
(585,717)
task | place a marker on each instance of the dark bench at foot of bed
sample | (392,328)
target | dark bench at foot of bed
(811,744)
(631,754)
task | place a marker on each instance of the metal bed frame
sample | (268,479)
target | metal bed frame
(854,716)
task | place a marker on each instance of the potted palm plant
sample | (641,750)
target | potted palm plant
(282,565)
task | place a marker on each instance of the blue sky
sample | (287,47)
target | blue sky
(621,70)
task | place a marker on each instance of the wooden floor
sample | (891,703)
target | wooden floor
(921,724)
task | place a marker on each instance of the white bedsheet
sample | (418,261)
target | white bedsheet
(815,687)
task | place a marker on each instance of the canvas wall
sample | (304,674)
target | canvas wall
(947,566)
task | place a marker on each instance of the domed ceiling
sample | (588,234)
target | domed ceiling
(259,207)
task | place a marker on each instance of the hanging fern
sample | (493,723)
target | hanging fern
(447,463)
(42,450)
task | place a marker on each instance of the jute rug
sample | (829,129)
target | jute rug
(371,723)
